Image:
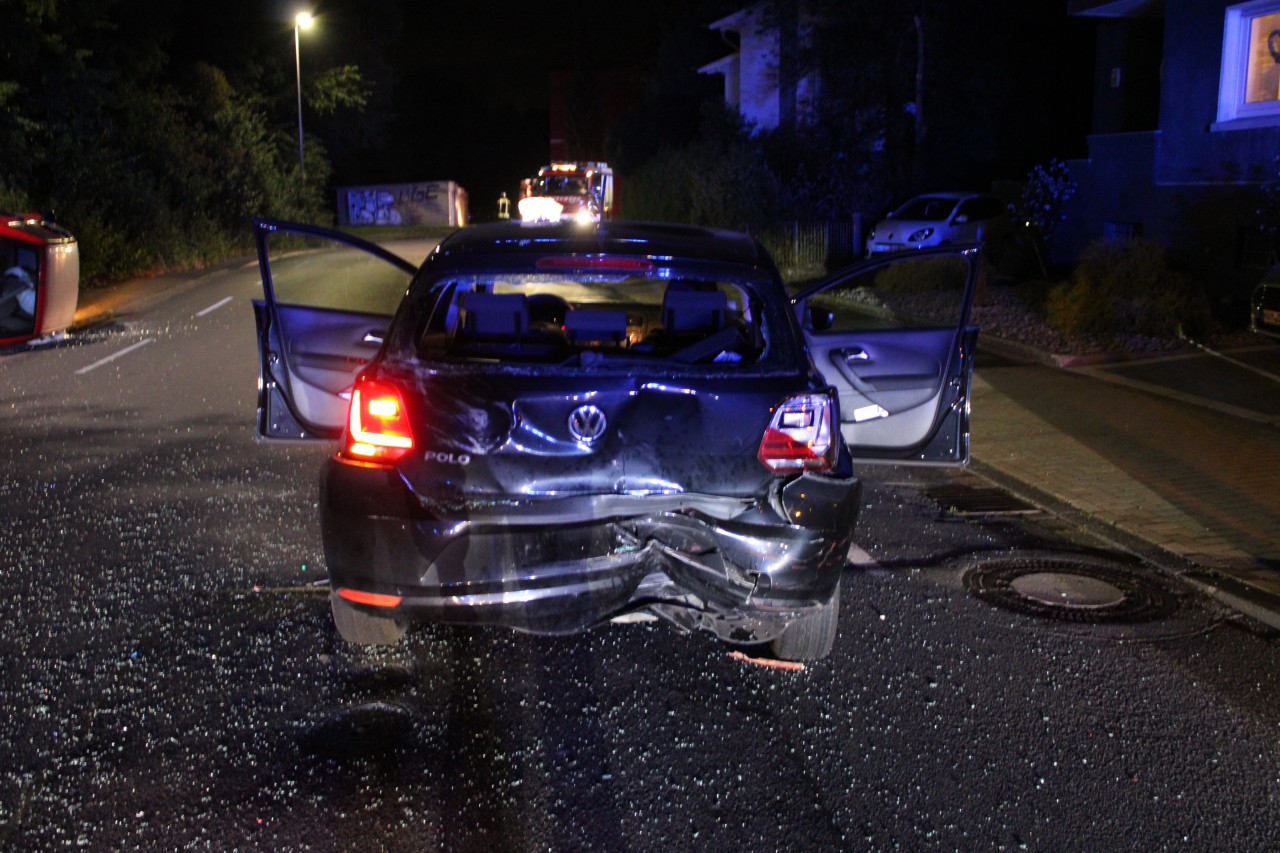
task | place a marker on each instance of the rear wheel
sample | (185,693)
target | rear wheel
(809,637)
(362,628)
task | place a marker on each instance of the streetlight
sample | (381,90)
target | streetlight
(302,21)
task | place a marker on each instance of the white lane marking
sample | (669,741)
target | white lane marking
(214,307)
(1263,373)
(112,358)
(1179,396)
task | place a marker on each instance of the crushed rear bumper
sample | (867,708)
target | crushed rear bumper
(562,565)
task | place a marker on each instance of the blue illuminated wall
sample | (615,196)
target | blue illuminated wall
(1183,179)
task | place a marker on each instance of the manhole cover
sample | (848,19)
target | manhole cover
(1070,591)
(1067,589)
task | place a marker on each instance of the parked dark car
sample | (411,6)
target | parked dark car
(939,219)
(1264,316)
(548,427)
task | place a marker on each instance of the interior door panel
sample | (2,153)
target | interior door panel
(311,347)
(891,336)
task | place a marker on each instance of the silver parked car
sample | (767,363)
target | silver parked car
(938,219)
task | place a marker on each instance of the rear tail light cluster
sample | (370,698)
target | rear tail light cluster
(378,425)
(800,436)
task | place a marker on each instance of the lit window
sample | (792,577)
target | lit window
(1263,81)
(1249,88)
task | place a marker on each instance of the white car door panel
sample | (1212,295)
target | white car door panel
(328,300)
(891,337)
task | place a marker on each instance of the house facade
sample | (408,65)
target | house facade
(761,78)
(1186,130)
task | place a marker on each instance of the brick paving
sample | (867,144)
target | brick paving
(1180,465)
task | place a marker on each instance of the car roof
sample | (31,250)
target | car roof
(513,241)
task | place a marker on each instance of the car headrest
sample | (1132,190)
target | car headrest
(694,310)
(495,315)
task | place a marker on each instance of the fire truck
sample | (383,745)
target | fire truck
(580,192)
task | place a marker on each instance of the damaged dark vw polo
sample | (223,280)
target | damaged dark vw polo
(549,427)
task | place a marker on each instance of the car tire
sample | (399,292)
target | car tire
(809,637)
(361,628)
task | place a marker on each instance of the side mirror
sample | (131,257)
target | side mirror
(821,319)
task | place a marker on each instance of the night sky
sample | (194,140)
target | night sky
(470,82)
(462,89)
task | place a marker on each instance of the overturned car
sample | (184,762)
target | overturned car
(547,427)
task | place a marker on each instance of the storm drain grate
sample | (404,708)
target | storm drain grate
(974,500)
(1070,591)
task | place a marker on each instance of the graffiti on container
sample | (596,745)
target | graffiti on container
(406,204)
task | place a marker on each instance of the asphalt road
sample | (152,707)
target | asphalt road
(172,680)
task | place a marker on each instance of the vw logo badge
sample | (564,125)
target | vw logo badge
(586,423)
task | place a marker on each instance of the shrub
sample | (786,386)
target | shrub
(923,275)
(704,183)
(1120,289)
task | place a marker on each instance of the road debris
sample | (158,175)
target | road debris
(791,666)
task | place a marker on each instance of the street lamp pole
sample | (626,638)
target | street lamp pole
(302,21)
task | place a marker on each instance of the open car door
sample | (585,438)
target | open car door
(327,301)
(892,337)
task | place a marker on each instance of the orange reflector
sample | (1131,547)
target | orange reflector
(371,598)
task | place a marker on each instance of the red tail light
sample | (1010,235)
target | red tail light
(800,437)
(378,425)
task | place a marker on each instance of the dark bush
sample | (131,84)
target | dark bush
(1127,288)
(721,179)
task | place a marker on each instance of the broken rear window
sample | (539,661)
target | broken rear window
(551,317)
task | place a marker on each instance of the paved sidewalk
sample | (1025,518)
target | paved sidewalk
(1182,453)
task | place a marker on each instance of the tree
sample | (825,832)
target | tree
(1040,207)
(113,115)
(721,179)
(921,95)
